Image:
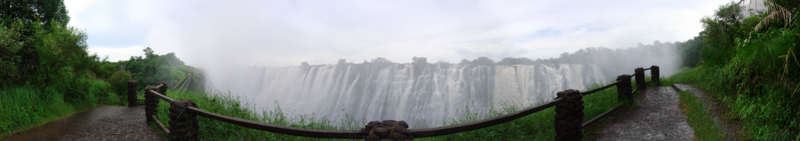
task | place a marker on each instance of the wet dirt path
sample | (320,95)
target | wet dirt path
(656,116)
(101,123)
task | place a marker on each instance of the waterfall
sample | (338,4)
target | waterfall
(424,96)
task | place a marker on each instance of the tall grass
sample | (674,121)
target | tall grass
(537,126)
(699,118)
(24,107)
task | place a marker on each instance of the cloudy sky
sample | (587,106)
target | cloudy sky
(209,33)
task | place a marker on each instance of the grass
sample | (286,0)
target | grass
(537,126)
(699,118)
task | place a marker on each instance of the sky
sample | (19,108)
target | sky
(234,33)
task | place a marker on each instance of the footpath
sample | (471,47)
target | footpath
(106,123)
(657,116)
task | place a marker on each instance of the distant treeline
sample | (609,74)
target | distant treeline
(154,68)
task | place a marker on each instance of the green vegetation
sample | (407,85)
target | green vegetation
(25,106)
(749,63)
(766,113)
(699,118)
(47,72)
(154,68)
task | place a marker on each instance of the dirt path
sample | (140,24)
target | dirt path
(655,117)
(101,123)
(717,109)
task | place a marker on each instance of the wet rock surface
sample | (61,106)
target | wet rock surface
(717,110)
(105,123)
(656,116)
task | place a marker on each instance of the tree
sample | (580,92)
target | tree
(691,50)
(148,53)
(31,11)
(722,30)
(11,43)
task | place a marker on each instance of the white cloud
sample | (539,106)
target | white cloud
(280,33)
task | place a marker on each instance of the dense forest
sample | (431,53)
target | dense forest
(47,71)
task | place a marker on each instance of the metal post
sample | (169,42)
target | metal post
(131,93)
(569,114)
(624,92)
(654,74)
(183,124)
(640,78)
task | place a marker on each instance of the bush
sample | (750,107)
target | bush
(119,82)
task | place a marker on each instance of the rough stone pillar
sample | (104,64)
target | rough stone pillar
(131,93)
(163,89)
(569,114)
(654,74)
(386,130)
(183,124)
(150,103)
(640,78)
(624,91)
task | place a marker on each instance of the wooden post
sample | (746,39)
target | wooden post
(569,114)
(654,74)
(640,78)
(624,92)
(183,124)
(131,93)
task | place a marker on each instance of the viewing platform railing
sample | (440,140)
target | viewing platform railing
(568,103)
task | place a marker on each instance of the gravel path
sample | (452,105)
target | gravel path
(717,109)
(104,123)
(655,117)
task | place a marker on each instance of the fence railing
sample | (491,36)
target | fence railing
(132,100)
(184,83)
(568,103)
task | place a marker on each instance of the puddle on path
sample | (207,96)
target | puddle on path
(59,128)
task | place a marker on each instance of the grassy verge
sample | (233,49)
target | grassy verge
(699,118)
(537,126)
(764,109)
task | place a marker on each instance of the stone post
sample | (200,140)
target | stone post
(386,130)
(131,93)
(624,91)
(150,103)
(163,89)
(569,114)
(183,124)
(654,74)
(640,78)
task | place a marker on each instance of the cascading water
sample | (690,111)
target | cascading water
(422,95)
